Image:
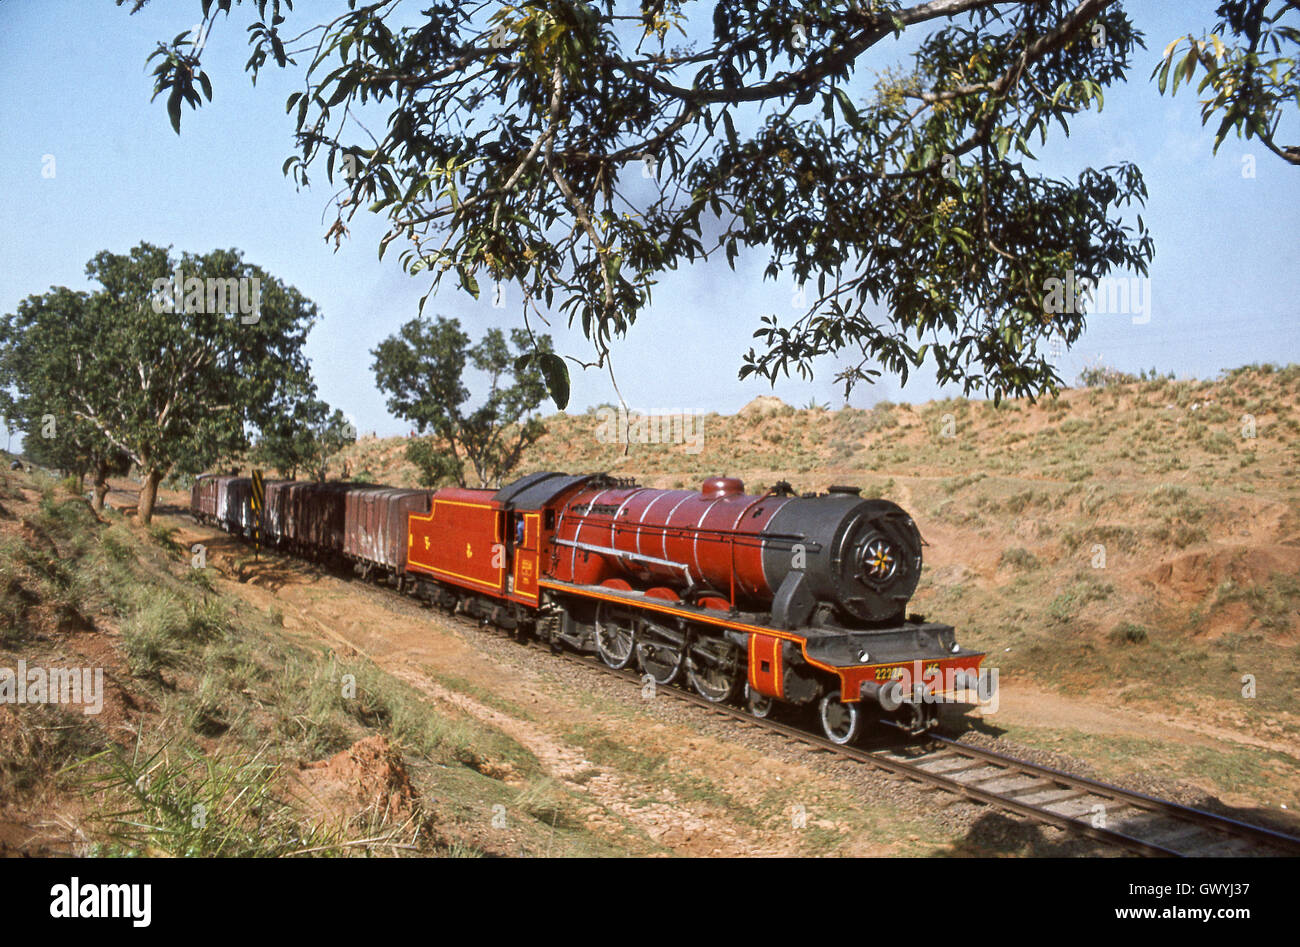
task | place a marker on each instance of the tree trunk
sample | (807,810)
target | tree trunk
(148,496)
(101,487)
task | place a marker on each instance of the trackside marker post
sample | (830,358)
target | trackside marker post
(257,500)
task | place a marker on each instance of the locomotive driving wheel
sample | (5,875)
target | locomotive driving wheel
(615,636)
(714,668)
(659,651)
(840,721)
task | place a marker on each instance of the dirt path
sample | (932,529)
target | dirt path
(1027,705)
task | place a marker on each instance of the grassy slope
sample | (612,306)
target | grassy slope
(209,704)
(1126,541)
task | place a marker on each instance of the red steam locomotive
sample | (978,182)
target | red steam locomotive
(772,598)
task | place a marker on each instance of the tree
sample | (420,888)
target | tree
(436,465)
(306,439)
(35,394)
(1253,81)
(171,361)
(282,441)
(519,133)
(329,435)
(422,370)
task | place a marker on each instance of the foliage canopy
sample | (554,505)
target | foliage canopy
(581,150)
(161,364)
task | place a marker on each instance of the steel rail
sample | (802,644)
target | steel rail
(897,767)
(1225,824)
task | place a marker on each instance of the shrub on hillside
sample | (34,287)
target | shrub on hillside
(1128,633)
(1099,376)
(1018,558)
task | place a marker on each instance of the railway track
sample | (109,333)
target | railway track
(1123,818)
(1139,823)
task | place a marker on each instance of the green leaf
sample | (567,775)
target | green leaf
(468,281)
(850,112)
(556,373)
(1003,140)
(341,91)
(732,139)
(174,108)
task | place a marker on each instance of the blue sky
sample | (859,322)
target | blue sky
(1224,284)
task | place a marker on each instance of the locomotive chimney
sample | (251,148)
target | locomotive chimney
(717,487)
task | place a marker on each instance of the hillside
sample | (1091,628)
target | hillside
(1127,541)
(206,726)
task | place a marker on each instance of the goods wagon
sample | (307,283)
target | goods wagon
(374,526)
(233,513)
(315,513)
(203,498)
(275,513)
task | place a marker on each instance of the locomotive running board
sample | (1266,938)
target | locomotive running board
(836,650)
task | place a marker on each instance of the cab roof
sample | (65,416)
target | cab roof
(536,490)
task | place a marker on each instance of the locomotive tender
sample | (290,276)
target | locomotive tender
(772,598)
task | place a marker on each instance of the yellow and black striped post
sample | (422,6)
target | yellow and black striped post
(258,500)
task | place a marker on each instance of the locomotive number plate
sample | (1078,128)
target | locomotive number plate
(898,670)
